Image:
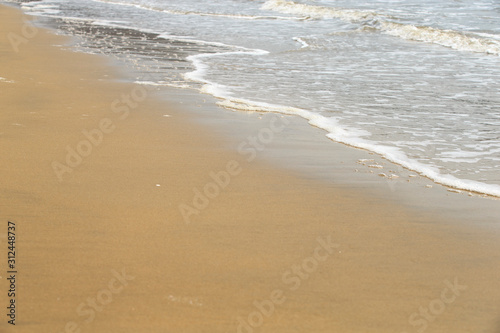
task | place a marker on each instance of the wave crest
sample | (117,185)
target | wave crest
(318,12)
(449,38)
(181,12)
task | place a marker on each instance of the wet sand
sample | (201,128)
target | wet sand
(131,221)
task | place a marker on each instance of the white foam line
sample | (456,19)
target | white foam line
(165,84)
(318,12)
(395,155)
(336,132)
(180,12)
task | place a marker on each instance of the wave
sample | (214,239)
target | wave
(335,131)
(317,12)
(181,12)
(449,38)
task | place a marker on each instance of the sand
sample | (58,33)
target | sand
(102,244)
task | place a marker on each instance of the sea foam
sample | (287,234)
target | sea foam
(198,13)
(449,38)
(317,12)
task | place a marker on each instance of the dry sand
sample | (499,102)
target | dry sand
(257,241)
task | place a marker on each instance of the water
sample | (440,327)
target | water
(415,81)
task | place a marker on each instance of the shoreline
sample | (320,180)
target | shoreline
(458,185)
(380,160)
(309,154)
(109,225)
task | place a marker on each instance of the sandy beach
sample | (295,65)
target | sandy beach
(132,216)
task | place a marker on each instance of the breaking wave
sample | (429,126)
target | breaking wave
(449,38)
